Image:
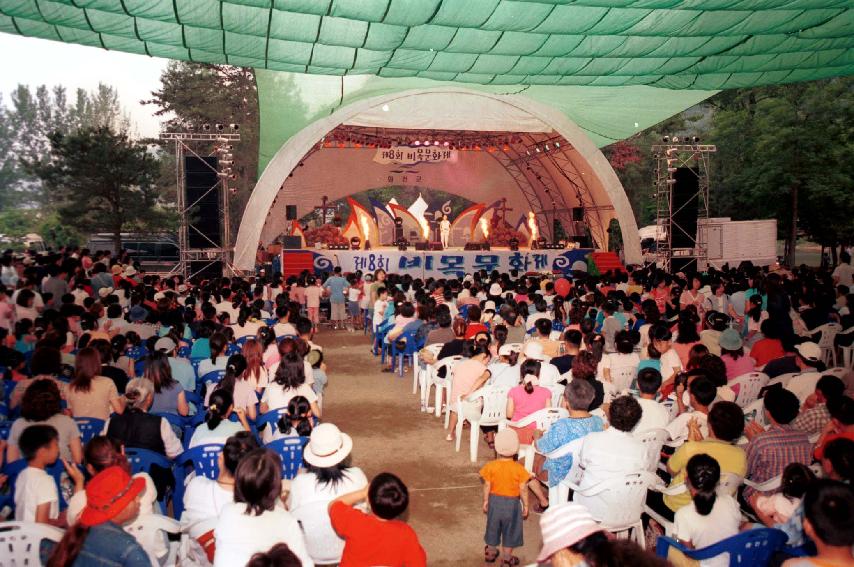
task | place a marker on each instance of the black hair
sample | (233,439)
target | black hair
(830,386)
(298,407)
(657,332)
(726,420)
(829,508)
(703,474)
(796,479)
(219,407)
(41,401)
(258,481)
(649,381)
(840,453)
(303,326)
(573,337)
(36,437)
(388,496)
(544,326)
(530,366)
(280,555)
(842,409)
(625,341)
(714,368)
(703,390)
(599,550)
(625,413)
(236,447)
(782,404)
(291,371)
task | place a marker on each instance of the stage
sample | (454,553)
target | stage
(443,264)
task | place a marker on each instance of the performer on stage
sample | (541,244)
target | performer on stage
(444,230)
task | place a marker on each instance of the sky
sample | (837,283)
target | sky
(39,61)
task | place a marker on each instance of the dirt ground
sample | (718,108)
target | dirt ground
(391,434)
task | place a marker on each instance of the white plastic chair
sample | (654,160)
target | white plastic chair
(621,378)
(847,351)
(494,411)
(825,341)
(782,379)
(749,386)
(543,419)
(419,375)
(441,384)
(772,483)
(557,394)
(20,542)
(147,528)
(621,502)
(653,440)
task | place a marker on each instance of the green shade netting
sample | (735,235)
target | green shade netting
(675,44)
(290,101)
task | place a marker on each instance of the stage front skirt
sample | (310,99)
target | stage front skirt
(439,264)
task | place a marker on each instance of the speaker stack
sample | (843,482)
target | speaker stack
(204,195)
(685,203)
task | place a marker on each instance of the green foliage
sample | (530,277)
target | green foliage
(101,180)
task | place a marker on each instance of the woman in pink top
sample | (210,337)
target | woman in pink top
(527,398)
(687,335)
(468,376)
(732,353)
(313,293)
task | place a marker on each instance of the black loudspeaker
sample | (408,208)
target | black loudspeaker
(204,199)
(476,246)
(205,269)
(290,212)
(578,214)
(685,202)
(291,242)
(420,245)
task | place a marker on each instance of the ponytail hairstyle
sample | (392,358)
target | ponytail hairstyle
(266,336)
(220,405)
(67,550)
(298,416)
(704,473)
(532,367)
(234,370)
(218,343)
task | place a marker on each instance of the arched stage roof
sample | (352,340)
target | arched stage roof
(577,175)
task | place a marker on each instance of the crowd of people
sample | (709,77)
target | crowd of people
(99,358)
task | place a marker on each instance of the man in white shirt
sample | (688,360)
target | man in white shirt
(655,415)
(702,393)
(609,454)
(844,272)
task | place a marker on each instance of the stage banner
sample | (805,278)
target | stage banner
(450,263)
(409,155)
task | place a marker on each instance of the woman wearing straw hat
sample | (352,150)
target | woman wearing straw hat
(328,474)
(112,500)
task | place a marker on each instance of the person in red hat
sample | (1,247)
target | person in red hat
(97,539)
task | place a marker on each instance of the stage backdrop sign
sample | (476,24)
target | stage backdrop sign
(411,155)
(445,264)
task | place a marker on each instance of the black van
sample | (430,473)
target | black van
(156,253)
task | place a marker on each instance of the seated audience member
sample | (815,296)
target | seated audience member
(468,376)
(182,369)
(256,521)
(608,454)
(205,498)
(527,398)
(217,427)
(578,395)
(112,501)
(46,364)
(770,451)
(473,324)
(328,474)
(571,348)
(622,360)
(114,373)
(702,394)
(297,421)
(443,332)
(89,394)
(777,508)
(726,424)
(829,523)
(655,415)
(36,493)
(542,335)
(42,405)
(814,414)
(769,347)
(217,358)
(456,346)
(505,371)
(288,382)
(283,327)
(840,426)
(716,324)
(280,555)
(710,517)
(660,354)
(141,430)
(237,384)
(378,537)
(686,334)
(732,353)
(572,537)
(549,375)
(168,394)
(584,368)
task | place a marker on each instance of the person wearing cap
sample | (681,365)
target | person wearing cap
(504,372)
(549,374)
(112,500)
(810,366)
(256,520)
(505,499)
(327,474)
(732,353)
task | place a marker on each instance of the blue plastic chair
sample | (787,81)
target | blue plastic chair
(11,470)
(380,346)
(195,361)
(750,548)
(410,350)
(283,337)
(212,377)
(290,450)
(196,400)
(177,422)
(464,310)
(203,460)
(89,427)
(271,322)
(8,386)
(139,368)
(184,352)
(5,427)
(141,460)
(242,340)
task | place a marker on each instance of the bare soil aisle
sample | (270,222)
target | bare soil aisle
(391,434)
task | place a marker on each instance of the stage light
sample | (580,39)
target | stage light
(696,139)
(671,169)
(446,144)
(220,127)
(666,139)
(557,144)
(225,162)
(385,108)
(537,149)
(234,127)
(417,143)
(675,139)
(327,144)
(233,176)
(529,153)
(206,127)
(514,244)
(436,143)
(427,142)
(232,190)
(547,147)
(506,148)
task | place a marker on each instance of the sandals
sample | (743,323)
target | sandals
(512,561)
(490,554)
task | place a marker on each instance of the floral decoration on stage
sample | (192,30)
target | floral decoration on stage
(326,234)
(502,234)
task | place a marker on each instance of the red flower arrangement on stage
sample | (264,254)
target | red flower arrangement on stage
(326,234)
(502,234)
